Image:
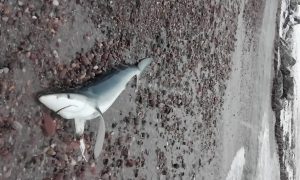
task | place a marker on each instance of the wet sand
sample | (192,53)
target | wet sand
(247,118)
(296,107)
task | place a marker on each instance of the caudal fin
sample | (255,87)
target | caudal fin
(141,66)
(144,63)
(100,137)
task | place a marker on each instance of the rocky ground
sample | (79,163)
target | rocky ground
(165,130)
(284,97)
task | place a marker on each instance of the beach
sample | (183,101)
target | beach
(202,110)
(248,120)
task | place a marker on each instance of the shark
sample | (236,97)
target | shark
(91,101)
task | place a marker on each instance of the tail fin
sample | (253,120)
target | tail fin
(141,66)
(144,63)
(100,137)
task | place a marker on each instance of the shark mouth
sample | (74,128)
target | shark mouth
(81,109)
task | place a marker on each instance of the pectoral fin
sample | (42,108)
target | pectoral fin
(100,137)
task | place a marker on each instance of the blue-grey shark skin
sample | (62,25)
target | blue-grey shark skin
(99,95)
(106,92)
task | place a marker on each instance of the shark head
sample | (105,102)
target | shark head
(80,108)
(70,105)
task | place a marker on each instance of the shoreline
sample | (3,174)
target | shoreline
(247,114)
(286,123)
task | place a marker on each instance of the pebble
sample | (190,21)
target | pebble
(73,162)
(4,70)
(55,3)
(176,166)
(51,152)
(18,125)
(5,18)
(63,73)
(49,125)
(130,163)
(96,67)
(59,176)
(82,76)
(55,53)
(20,3)
(7,174)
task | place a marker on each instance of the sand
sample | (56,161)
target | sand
(247,110)
(296,107)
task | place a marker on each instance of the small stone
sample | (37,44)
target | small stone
(59,176)
(79,158)
(105,162)
(5,18)
(17,125)
(85,60)
(73,65)
(93,168)
(73,162)
(53,145)
(130,163)
(5,70)
(65,157)
(74,145)
(82,76)
(55,54)
(20,3)
(114,125)
(105,176)
(119,163)
(27,10)
(7,173)
(125,152)
(6,10)
(49,125)
(51,152)
(55,3)
(63,73)
(176,166)
(54,71)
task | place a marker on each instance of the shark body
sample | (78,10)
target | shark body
(90,102)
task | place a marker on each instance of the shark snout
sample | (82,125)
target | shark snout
(69,105)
